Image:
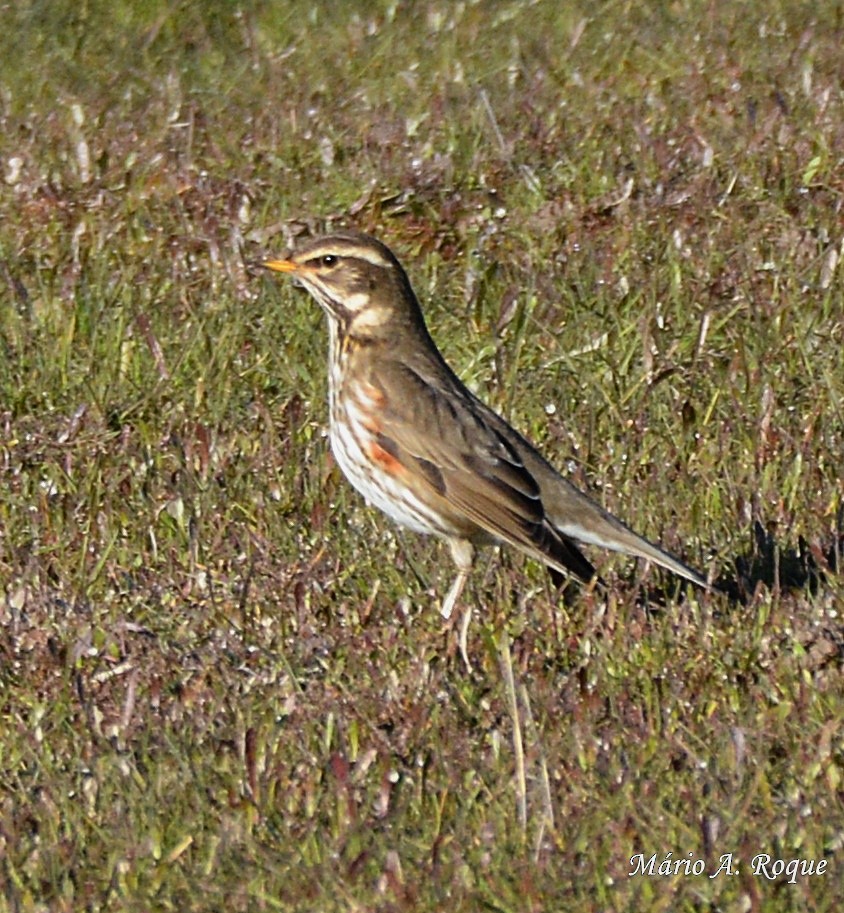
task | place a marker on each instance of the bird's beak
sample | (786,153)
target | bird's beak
(281,266)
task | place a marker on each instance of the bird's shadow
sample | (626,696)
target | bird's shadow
(772,564)
(783,567)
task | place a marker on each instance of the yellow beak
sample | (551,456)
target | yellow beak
(281,266)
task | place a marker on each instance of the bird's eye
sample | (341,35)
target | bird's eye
(328,260)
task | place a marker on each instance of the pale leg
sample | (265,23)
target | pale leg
(463,553)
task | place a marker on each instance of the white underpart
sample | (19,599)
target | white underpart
(348,439)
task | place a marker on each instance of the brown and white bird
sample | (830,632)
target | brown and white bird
(415,442)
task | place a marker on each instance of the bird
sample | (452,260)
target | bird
(419,445)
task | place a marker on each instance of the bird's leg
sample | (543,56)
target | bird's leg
(463,553)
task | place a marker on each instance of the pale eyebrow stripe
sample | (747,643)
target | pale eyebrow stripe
(345,249)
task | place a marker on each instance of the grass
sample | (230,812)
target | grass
(224,682)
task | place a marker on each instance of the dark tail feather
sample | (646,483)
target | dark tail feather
(571,557)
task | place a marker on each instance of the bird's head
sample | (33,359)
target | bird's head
(356,279)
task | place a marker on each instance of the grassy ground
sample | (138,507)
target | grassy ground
(224,681)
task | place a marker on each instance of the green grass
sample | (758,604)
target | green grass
(224,680)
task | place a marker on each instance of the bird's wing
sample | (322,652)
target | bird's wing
(434,427)
(574,515)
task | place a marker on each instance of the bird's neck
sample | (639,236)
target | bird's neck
(344,347)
